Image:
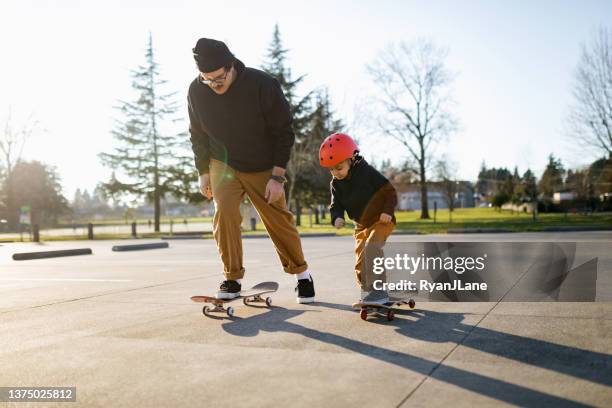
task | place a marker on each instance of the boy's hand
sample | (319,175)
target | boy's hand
(205,186)
(339,223)
(385,218)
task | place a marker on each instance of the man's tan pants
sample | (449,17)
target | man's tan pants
(374,237)
(229,187)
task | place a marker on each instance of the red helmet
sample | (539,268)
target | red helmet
(336,148)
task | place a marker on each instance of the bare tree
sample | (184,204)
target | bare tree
(13,139)
(414,95)
(590,116)
(445,172)
(301,161)
(12,142)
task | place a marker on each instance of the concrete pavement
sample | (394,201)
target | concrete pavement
(121,328)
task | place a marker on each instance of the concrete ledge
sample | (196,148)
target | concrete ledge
(51,254)
(569,228)
(407,232)
(139,247)
(190,233)
(477,230)
(319,234)
(172,237)
(314,235)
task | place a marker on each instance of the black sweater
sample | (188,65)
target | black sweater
(364,194)
(249,126)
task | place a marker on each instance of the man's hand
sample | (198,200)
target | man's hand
(339,223)
(385,218)
(274,191)
(205,185)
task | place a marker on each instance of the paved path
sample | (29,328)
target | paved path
(121,328)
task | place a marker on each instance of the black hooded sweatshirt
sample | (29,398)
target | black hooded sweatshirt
(364,194)
(248,127)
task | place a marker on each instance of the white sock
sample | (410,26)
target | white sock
(303,275)
(239,281)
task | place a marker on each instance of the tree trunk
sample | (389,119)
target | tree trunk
(12,210)
(424,201)
(156,203)
(298,212)
(290,185)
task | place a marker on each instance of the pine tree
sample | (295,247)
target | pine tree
(300,108)
(530,191)
(153,159)
(551,180)
(323,123)
(516,187)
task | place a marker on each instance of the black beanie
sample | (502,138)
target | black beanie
(210,55)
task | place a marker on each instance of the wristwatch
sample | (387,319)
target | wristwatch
(280,179)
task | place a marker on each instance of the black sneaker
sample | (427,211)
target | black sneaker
(305,290)
(229,289)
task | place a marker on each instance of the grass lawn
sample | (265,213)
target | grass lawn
(492,218)
(408,221)
(469,218)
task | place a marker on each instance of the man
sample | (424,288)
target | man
(241,137)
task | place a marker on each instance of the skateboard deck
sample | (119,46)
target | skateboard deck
(252,295)
(386,309)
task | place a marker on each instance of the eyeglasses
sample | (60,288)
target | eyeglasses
(217,80)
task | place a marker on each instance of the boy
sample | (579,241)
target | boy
(367,197)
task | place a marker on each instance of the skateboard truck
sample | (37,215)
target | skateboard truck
(249,296)
(385,309)
(218,307)
(257,299)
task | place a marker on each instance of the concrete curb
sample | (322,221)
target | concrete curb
(23,256)
(315,235)
(190,233)
(407,232)
(139,247)
(477,230)
(570,228)
(170,237)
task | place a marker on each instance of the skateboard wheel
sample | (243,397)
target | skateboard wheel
(268,301)
(230,311)
(245,301)
(205,310)
(390,315)
(363,314)
(411,303)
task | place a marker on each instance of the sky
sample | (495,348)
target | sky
(68,63)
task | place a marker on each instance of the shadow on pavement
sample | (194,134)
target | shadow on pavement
(449,327)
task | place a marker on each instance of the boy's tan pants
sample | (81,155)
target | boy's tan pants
(375,237)
(229,187)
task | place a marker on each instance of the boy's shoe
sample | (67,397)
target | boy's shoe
(375,296)
(305,290)
(229,289)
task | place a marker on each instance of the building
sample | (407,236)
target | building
(409,196)
(564,196)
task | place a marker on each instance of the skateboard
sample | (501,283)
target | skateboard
(385,309)
(252,295)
